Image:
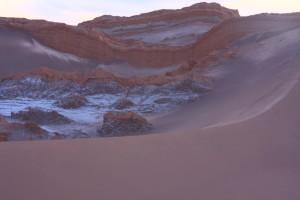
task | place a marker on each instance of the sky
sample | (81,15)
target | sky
(75,11)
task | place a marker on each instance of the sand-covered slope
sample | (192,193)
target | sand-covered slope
(255,159)
(241,141)
(20,52)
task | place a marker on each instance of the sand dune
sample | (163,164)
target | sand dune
(249,85)
(240,141)
(255,159)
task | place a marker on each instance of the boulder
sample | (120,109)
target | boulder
(42,117)
(122,104)
(71,102)
(18,131)
(123,124)
(34,128)
(27,131)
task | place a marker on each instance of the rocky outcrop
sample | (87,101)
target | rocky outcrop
(11,131)
(91,44)
(87,43)
(123,124)
(38,116)
(201,9)
(169,27)
(72,101)
(122,104)
(52,84)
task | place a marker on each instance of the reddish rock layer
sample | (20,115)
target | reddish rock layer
(95,45)
(200,9)
(230,31)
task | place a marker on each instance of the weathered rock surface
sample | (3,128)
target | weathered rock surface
(71,101)
(88,43)
(200,9)
(42,117)
(123,124)
(52,84)
(11,131)
(122,104)
(171,27)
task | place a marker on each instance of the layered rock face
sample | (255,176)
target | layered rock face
(200,9)
(91,43)
(171,27)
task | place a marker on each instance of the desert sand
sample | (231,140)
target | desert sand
(254,159)
(241,141)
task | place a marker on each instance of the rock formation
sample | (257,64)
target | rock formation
(171,27)
(11,131)
(123,124)
(200,9)
(72,101)
(36,115)
(84,42)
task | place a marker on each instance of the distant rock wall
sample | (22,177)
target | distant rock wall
(86,43)
(208,10)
